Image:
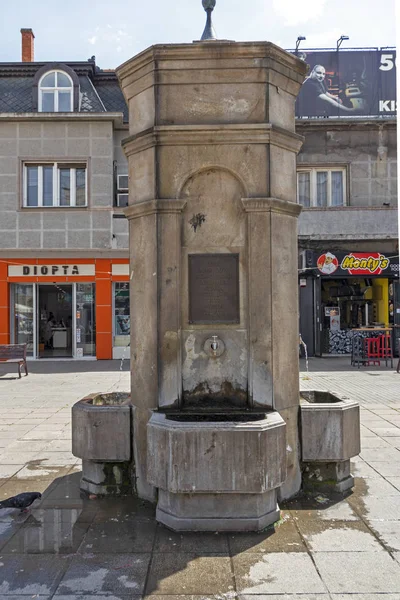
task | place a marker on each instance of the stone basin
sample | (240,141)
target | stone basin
(216,472)
(102,438)
(330,436)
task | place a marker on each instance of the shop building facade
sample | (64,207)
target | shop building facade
(348,230)
(63,184)
(64,266)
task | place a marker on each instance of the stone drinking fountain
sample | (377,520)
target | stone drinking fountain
(212,215)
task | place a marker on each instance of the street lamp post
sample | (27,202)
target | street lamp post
(340,40)
(301,38)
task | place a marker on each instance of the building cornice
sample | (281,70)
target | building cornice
(195,135)
(349,123)
(115,117)
(25,69)
(153,207)
(208,51)
(275,205)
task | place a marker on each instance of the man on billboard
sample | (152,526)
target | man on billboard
(317,99)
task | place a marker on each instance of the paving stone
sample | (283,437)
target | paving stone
(30,575)
(392,440)
(387,469)
(340,511)
(96,597)
(388,532)
(136,536)
(386,431)
(362,469)
(183,573)
(337,536)
(358,572)
(47,537)
(95,574)
(196,543)
(376,487)
(127,509)
(281,538)
(364,597)
(373,455)
(7,530)
(372,507)
(284,597)
(395,481)
(374,442)
(14,486)
(277,573)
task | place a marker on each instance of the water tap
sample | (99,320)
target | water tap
(214,346)
(214,343)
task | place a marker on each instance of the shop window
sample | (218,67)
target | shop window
(319,188)
(85,319)
(56,92)
(122,323)
(22,321)
(55,184)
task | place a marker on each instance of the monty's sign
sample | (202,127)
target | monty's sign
(364,264)
(59,270)
(361,264)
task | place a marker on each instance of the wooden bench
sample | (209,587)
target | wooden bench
(15,353)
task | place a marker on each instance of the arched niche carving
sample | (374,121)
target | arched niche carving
(213,215)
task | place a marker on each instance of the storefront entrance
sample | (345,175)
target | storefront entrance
(55,320)
(346,293)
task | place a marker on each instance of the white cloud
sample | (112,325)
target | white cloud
(296,12)
(116,37)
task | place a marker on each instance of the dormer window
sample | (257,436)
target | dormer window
(56,92)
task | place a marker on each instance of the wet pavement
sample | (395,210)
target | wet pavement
(71,547)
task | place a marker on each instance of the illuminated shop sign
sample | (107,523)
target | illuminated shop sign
(50,270)
(365,264)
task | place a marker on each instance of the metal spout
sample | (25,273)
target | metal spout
(214,343)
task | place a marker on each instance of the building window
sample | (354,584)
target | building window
(122,322)
(55,184)
(319,188)
(122,190)
(56,92)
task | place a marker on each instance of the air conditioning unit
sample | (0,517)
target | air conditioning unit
(122,199)
(123,182)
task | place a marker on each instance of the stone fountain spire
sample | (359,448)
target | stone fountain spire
(208,33)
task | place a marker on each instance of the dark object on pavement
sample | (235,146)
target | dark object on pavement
(21,501)
(14,353)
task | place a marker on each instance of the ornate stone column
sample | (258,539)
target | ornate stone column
(212,213)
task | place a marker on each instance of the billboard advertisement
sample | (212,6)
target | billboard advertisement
(348,84)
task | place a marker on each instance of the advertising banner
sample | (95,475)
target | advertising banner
(361,264)
(348,84)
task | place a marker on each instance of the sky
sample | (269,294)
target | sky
(116,30)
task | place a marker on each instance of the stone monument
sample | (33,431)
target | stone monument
(213,258)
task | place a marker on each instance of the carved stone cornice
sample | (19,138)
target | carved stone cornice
(261,54)
(195,135)
(153,207)
(275,205)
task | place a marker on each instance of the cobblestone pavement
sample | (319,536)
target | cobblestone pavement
(70,547)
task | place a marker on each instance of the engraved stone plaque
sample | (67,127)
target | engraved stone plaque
(214,288)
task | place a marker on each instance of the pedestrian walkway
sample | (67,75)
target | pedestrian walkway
(72,547)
